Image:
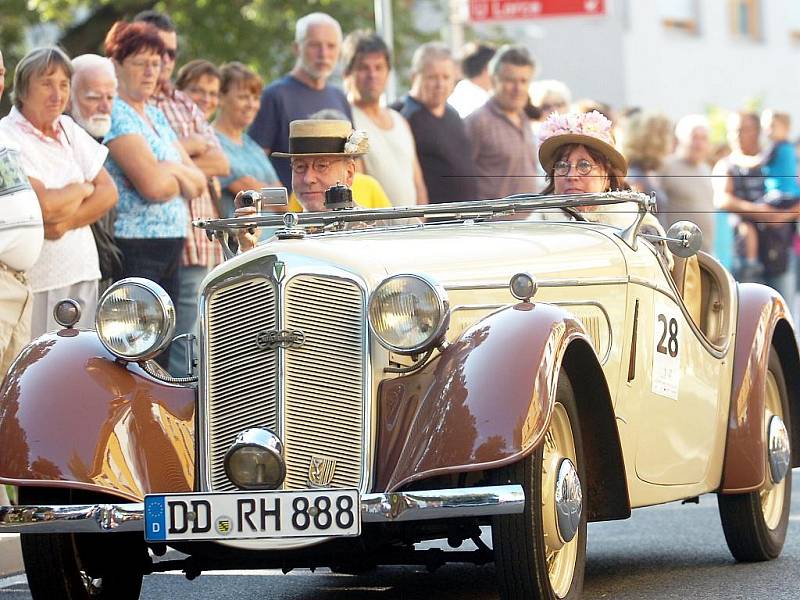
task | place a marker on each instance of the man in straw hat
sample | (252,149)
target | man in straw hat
(322,153)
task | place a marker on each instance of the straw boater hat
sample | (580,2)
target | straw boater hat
(592,130)
(324,137)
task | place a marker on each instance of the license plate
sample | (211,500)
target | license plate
(252,515)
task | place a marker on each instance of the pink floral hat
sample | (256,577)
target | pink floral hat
(588,129)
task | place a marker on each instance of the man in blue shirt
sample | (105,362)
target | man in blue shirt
(304,91)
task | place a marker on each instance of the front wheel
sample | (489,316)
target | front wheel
(83,566)
(755,524)
(541,553)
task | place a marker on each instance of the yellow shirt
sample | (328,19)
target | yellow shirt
(367,193)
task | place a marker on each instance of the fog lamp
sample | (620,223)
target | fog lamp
(255,460)
(67,312)
(523,286)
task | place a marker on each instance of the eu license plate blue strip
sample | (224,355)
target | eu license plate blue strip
(155,518)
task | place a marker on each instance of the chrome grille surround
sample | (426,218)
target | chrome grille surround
(309,271)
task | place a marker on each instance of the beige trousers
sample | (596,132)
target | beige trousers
(16,303)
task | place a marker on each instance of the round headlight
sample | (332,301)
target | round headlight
(408,313)
(255,461)
(135,319)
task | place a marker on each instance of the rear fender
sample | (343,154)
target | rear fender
(763,321)
(73,417)
(486,402)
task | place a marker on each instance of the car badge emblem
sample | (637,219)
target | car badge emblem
(321,471)
(278,270)
(284,338)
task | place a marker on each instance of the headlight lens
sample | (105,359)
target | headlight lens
(255,461)
(135,319)
(408,313)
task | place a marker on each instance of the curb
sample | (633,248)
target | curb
(10,555)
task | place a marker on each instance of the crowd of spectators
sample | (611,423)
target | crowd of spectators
(122,157)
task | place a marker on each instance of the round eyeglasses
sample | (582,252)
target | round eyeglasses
(583,167)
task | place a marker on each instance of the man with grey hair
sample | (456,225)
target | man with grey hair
(94,87)
(442,144)
(502,140)
(304,90)
(686,179)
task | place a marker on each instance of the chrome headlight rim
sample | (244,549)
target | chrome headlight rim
(444,311)
(167,309)
(262,439)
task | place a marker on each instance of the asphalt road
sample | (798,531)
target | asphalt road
(666,552)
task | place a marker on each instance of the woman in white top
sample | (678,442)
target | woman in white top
(65,168)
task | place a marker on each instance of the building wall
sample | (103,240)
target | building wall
(681,72)
(628,57)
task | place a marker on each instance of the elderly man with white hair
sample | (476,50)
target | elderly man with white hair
(304,90)
(94,87)
(686,178)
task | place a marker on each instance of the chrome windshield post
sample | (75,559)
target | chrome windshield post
(645,205)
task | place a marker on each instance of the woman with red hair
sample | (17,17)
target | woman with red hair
(149,166)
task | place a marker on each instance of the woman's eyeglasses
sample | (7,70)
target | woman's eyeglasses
(583,167)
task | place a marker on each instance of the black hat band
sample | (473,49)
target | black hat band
(316,145)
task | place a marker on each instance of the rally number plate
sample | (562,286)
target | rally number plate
(252,515)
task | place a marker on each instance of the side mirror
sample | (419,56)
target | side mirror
(684,239)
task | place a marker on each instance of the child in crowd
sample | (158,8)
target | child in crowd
(781,187)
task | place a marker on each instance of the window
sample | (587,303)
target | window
(679,15)
(793,18)
(746,19)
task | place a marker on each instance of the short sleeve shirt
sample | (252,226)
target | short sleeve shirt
(21,231)
(287,100)
(136,217)
(246,159)
(186,119)
(391,156)
(504,152)
(444,152)
(74,157)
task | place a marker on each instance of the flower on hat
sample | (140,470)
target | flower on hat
(593,124)
(356,142)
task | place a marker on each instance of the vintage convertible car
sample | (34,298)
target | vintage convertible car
(361,389)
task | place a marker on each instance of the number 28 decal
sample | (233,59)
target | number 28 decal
(668,342)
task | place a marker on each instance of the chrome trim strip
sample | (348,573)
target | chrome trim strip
(672,294)
(442,504)
(375,508)
(542,283)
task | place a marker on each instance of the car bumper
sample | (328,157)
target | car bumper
(375,508)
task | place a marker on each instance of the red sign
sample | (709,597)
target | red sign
(516,10)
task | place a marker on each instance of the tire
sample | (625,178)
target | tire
(528,565)
(755,523)
(84,566)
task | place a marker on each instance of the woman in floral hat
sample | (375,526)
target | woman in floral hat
(578,156)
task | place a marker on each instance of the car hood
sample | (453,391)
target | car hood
(462,254)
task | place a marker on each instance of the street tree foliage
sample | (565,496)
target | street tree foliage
(258,33)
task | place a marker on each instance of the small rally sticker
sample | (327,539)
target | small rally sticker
(667,352)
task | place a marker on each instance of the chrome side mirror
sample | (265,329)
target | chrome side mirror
(684,239)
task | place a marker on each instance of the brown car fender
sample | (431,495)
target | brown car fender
(72,417)
(486,402)
(763,321)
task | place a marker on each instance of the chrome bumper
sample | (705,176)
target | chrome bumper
(375,508)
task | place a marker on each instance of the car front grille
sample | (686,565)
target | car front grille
(242,380)
(324,379)
(318,408)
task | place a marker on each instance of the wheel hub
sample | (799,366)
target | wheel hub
(779,451)
(568,500)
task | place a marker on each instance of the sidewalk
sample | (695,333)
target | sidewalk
(10,556)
